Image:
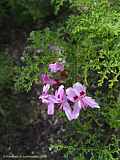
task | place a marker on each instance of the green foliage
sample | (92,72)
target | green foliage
(97,33)
(80,4)
(26,76)
(86,142)
(72,5)
(113,115)
(57,4)
(25,10)
(6,71)
(82,152)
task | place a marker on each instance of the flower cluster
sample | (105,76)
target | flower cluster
(70,100)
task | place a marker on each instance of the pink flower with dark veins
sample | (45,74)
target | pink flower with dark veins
(47,80)
(77,95)
(56,67)
(62,100)
(48,99)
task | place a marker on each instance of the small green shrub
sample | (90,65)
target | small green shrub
(97,34)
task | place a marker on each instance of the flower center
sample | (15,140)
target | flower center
(75,98)
(82,93)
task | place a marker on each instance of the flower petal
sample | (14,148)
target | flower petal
(71,94)
(60,93)
(68,111)
(50,109)
(78,87)
(88,101)
(47,80)
(55,67)
(46,88)
(53,99)
(44,78)
(76,110)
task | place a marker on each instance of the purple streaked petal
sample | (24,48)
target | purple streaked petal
(44,98)
(50,109)
(55,67)
(53,99)
(71,94)
(88,101)
(68,111)
(47,80)
(60,93)
(83,105)
(78,87)
(46,88)
(44,78)
(76,110)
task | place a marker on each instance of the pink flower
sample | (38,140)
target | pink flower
(47,80)
(77,95)
(48,99)
(55,67)
(62,100)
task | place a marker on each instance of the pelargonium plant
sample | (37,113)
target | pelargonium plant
(69,100)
